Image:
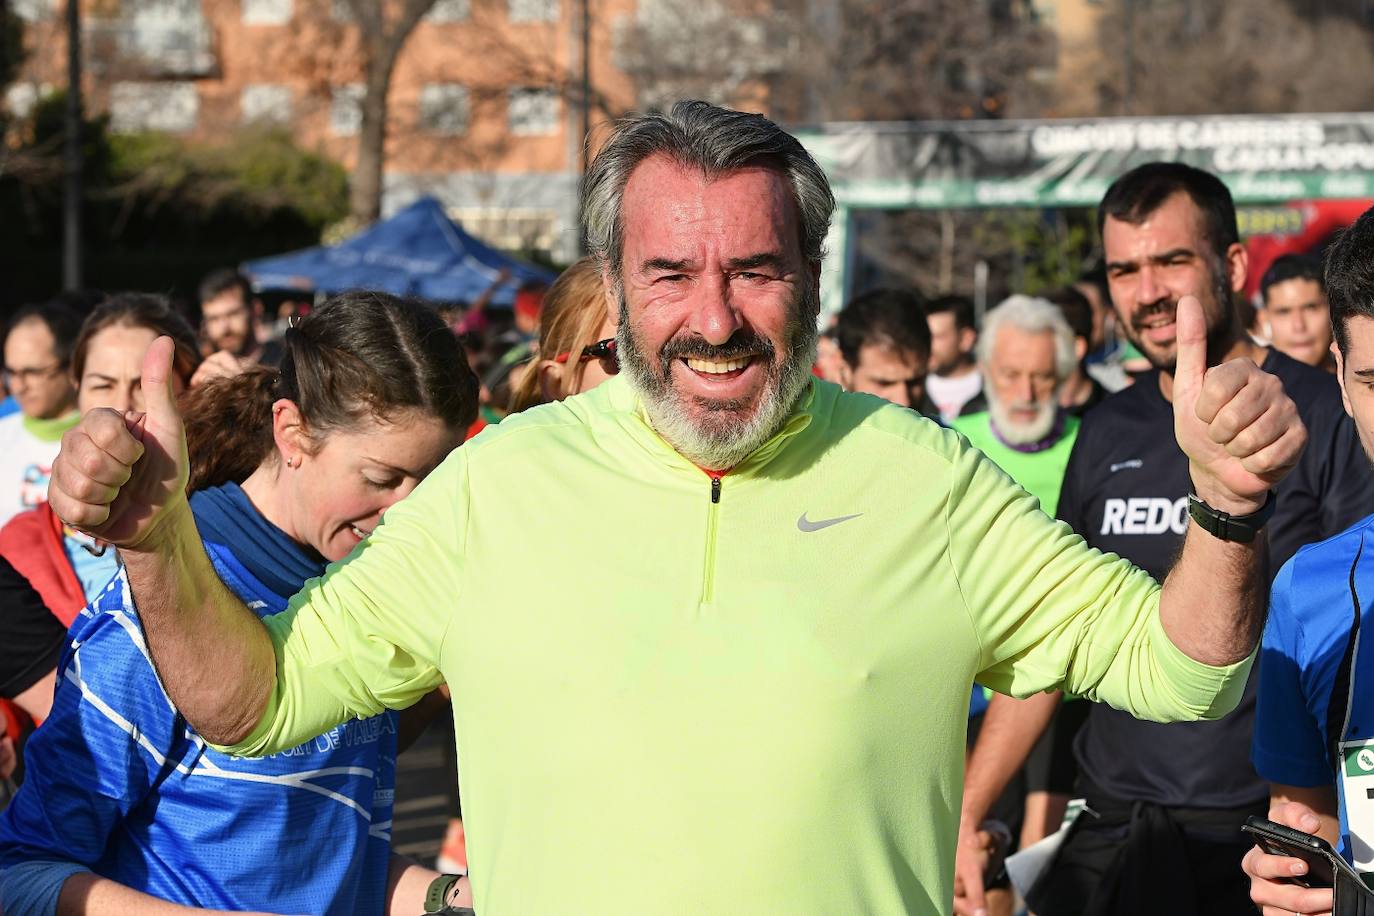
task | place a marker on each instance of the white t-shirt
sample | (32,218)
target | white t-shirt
(27,450)
(950,393)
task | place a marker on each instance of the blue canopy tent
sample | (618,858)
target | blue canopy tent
(417,252)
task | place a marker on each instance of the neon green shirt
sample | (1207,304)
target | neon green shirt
(51,429)
(668,704)
(1041,473)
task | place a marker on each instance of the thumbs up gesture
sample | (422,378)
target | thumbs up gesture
(117,475)
(1241,433)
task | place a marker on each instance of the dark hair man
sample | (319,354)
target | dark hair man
(954,379)
(1092,285)
(1081,392)
(1314,732)
(38,352)
(884,342)
(1168,231)
(1296,315)
(229,315)
(746,649)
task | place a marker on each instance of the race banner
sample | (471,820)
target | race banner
(1070,163)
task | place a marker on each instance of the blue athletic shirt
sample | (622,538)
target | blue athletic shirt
(1316,667)
(94,564)
(119,784)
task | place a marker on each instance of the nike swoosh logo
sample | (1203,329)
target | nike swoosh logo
(805,524)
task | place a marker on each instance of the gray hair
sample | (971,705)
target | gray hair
(1034,316)
(715,140)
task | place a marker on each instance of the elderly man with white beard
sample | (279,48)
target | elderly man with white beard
(1025,354)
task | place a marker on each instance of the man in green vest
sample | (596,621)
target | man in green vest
(1025,354)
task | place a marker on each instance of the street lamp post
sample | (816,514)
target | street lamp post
(584,37)
(71,154)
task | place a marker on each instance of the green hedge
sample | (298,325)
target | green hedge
(159,211)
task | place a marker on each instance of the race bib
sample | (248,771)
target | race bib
(1357,786)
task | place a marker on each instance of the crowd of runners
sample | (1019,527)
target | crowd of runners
(733,610)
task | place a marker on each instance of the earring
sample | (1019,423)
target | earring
(291,462)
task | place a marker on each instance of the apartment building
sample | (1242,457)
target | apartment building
(1079,58)
(484,100)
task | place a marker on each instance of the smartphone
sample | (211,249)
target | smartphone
(1278,840)
(1325,867)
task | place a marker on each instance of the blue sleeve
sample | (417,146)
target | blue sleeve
(1289,742)
(95,759)
(32,888)
(978,702)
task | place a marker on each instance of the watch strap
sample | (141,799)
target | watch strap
(436,898)
(1226,527)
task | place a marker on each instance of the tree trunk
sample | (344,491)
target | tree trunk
(365,189)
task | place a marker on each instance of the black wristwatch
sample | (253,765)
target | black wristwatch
(1227,527)
(436,898)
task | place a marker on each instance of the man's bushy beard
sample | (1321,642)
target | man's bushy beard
(719,434)
(1017,432)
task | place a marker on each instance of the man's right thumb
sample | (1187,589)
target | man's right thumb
(159,397)
(1191,337)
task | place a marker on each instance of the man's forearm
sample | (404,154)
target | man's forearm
(211,652)
(1010,729)
(1213,602)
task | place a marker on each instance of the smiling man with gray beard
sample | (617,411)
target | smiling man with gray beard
(735,674)
(723,431)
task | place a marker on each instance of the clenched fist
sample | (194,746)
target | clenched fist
(117,475)
(1239,429)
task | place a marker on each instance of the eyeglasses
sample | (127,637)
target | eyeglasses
(29,375)
(603,350)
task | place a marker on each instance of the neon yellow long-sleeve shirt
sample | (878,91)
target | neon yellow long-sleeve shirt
(669,700)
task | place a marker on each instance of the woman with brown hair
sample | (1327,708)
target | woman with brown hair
(576,340)
(125,808)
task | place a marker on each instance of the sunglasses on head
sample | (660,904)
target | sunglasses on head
(602,350)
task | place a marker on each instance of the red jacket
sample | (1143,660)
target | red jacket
(32,542)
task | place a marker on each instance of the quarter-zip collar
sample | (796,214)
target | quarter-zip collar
(636,420)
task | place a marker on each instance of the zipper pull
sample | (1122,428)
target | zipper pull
(715,488)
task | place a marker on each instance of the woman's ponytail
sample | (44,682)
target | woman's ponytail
(229,426)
